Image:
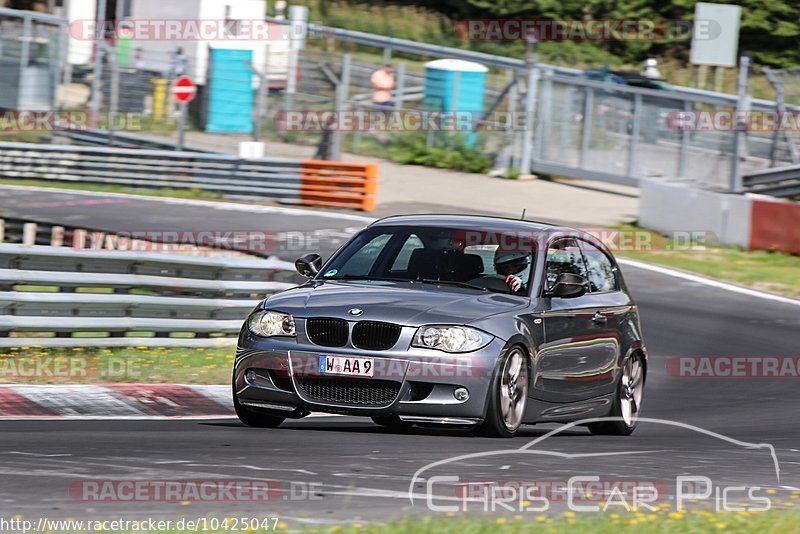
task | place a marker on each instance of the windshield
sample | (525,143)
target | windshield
(472,259)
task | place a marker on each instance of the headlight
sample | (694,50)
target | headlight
(271,323)
(450,338)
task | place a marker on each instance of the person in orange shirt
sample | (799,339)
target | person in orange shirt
(383,83)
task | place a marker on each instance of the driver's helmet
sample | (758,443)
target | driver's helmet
(508,256)
(650,62)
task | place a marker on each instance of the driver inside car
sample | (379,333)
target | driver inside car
(510,265)
(509,275)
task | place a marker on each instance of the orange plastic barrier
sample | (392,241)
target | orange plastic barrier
(339,184)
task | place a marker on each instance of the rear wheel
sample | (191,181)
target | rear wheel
(508,396)
(627,402)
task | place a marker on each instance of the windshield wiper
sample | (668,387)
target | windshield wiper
(452,283)
(367,277)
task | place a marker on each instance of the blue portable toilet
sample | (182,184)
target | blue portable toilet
(231,93)
(455,85)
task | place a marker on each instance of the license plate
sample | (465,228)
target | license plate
(345,365)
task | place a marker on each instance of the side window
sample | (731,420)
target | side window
(362,261)
(401,261)
(563,256)
(602,276)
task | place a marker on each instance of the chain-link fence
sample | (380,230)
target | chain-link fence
(563,123)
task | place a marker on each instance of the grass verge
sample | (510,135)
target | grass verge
(774,522)
(762,270)
(91,365)
(110,188)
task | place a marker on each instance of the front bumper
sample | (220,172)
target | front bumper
(415,384)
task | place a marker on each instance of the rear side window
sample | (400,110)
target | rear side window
(602,274)
(563,256)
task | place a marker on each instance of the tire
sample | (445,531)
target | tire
(254,418)
(508,396)
(627,401)
(390,421)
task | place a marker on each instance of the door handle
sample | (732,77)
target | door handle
(599,319)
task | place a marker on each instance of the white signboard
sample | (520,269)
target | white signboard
(715,36)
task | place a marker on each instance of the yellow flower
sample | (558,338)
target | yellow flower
(501,520)
(721,525)
(569,514)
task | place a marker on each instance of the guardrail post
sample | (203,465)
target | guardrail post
(57,236)
(29,233)
(79,238)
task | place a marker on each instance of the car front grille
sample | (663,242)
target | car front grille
(349,391)
(371,335)
(327,332)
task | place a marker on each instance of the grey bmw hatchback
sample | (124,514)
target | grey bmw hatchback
(449,320)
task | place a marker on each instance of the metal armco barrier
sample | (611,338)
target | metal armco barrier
(292,181)
(775,181)
(57,292)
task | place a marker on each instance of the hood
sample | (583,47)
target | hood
(398,303)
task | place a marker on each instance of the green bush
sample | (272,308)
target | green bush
(445,153)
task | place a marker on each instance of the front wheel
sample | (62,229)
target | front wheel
(627,401)
(508,396)
(254,418)
(392,422)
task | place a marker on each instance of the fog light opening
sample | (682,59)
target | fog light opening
(461,394)
(250,376)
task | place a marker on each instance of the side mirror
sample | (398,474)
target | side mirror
(568,286)
(308,265)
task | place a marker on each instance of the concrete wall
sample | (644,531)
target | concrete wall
(754,222)
(667,207)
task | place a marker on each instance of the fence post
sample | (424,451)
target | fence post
(741,126)
(586,133)
(113,97)
(342,90)
(400,86)
(530,113)
(99,50)
(263,94)
(637,119)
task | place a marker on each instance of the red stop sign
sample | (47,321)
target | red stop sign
(184,89)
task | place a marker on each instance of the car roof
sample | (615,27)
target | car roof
(487,223)
(478,222)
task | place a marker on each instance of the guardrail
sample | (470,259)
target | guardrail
(63,295)
(87,137)
(338,184)
(775,181)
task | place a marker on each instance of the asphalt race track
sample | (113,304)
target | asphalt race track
(337,469)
